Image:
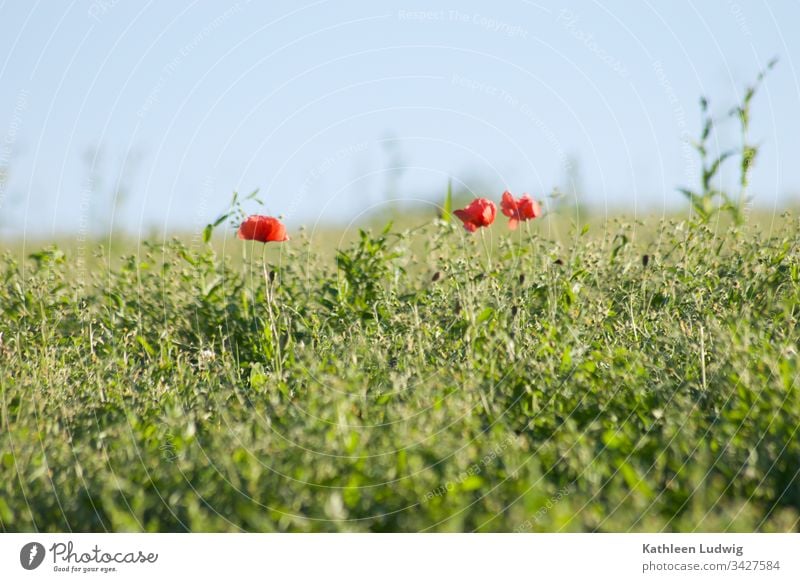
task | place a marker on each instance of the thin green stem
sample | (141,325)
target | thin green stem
(270,298)
(486,249)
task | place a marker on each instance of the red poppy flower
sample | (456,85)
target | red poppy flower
(480,212)
(526,208)
(263,229)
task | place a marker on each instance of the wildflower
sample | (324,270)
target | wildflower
(480,212)
(205,357)
(263,229)
(525,208)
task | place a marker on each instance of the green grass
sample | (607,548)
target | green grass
(419,380)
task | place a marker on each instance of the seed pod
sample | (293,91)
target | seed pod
(645,260)
(521,278)
(436,276)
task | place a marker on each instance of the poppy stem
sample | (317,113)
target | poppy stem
(528,230)
(276,344)
(486,248)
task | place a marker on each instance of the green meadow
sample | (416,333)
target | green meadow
(617,375)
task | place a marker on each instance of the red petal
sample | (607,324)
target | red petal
(507,205)
(263,229)
(488,214)
(462,215)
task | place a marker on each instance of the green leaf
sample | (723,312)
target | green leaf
(623,240)
(207,233)
(212,286)
(485,315)
(5,512)
(613,439)
(258,378)
(146,345)
(566,359)
(447,208)
(712,170)
(472,483)
(221,219)
(634,481)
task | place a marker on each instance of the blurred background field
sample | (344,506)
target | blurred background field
(141,120)
(564,225)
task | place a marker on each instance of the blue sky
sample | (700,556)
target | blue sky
(146,115)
